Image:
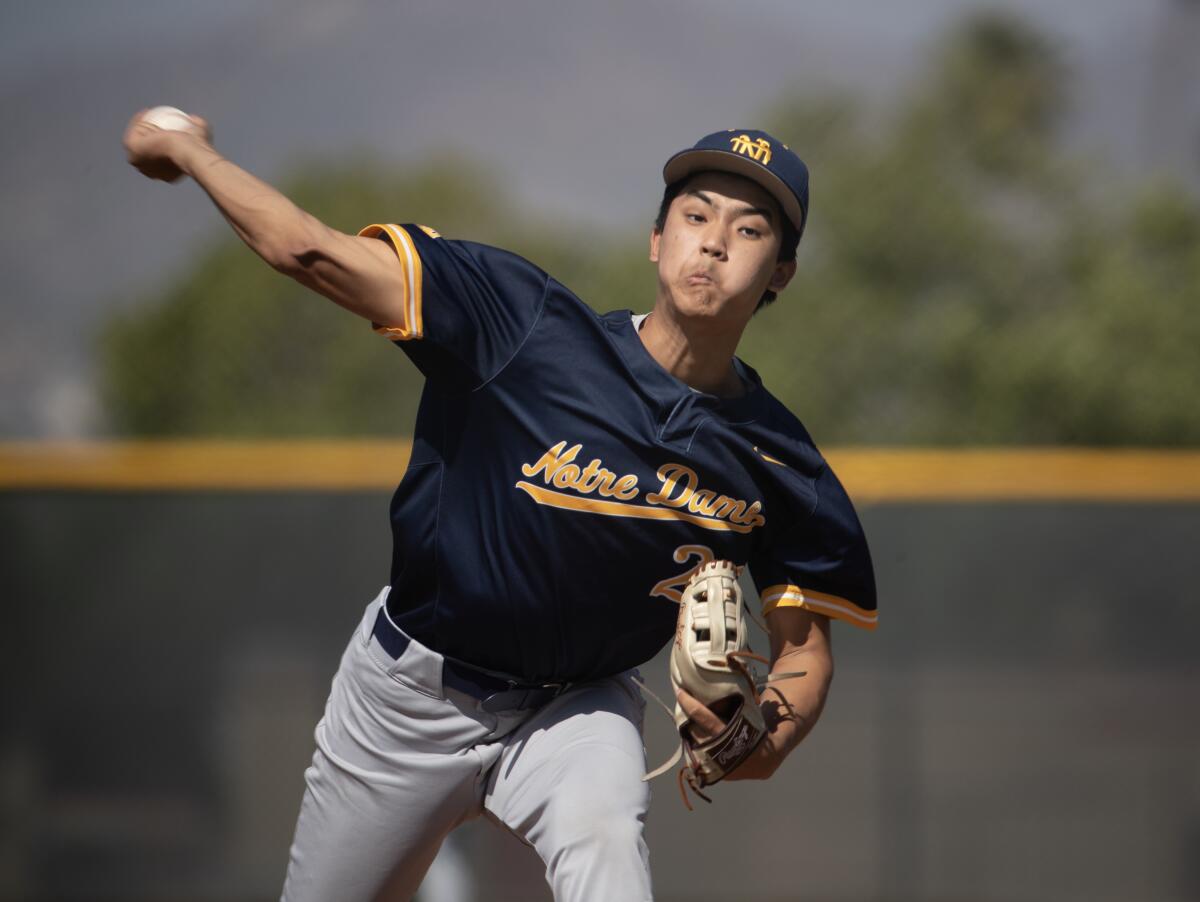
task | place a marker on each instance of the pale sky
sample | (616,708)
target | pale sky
(33,35)
(293,79)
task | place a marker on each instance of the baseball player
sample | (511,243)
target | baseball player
(570,472)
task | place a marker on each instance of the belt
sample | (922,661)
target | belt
(495,692)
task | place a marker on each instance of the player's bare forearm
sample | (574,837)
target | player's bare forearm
(270,224)
(360,274)
(800,643)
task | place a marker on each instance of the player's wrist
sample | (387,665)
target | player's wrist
(762,763)
(189,152)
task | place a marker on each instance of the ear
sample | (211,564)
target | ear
(655,238)
(782,275)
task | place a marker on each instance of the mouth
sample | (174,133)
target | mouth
(700,277)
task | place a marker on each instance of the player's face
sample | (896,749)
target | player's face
(717,251)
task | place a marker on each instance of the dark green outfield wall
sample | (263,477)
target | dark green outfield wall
(1021,726)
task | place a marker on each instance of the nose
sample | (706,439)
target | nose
(712,243)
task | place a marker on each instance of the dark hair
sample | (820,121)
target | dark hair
(787,246)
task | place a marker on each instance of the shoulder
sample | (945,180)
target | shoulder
(490,253)
(438,253)
(495,262)
(784,421)
(781,433)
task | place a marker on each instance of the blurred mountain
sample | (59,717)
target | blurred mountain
(573,106)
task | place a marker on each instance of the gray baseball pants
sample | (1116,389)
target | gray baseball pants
(402,761)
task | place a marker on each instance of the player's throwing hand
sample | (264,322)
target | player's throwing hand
(155,151)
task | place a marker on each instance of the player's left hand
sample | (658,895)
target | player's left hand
(705,724)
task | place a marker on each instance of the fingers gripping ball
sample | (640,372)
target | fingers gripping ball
(170,119)
(155,140)
(708,662)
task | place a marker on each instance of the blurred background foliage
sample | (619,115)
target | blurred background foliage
(962,281)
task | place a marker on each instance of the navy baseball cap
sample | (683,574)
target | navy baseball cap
(755,155)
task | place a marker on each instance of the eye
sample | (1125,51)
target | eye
(750,232)
(694,217)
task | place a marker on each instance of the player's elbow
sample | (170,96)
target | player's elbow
(307,265)
(279,258)
(298,251)
(286,255)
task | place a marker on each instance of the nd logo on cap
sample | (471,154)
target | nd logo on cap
(756,150)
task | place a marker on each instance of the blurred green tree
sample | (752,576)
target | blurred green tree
(961,282)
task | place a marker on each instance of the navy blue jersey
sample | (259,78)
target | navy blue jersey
(563,486)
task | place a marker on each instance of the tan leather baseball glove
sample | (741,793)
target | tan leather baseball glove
(710,661)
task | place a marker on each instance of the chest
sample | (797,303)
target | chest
(569,429)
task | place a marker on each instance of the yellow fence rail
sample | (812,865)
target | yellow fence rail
(872,475)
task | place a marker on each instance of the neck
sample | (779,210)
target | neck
(695,353)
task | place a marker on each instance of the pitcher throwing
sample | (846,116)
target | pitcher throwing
(570,472)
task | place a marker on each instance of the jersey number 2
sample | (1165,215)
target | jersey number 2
(672,588)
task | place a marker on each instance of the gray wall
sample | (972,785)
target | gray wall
(1021,726)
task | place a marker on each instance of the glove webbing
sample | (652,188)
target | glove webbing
(688,771)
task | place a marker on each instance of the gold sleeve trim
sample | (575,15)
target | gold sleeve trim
(410,264)
(789,596)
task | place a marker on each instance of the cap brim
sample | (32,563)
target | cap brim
(687,162)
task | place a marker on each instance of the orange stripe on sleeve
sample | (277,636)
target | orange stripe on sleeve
(410,265)
(789,596)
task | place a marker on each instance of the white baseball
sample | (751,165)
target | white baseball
(169,118)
